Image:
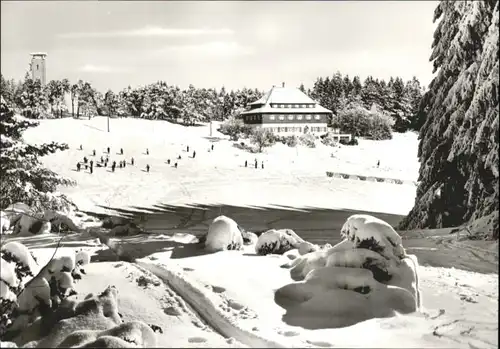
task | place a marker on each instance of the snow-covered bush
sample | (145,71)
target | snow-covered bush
(366,275)
(29,291)
(234,128)
(292,141)
(370,232)
(93,322)
(277,242)
(17,266)
(360,122)
(18,254)
(353,141)
(262,138)
(337,297)
(330,140)
(223,234)
(308,139)
(24,179)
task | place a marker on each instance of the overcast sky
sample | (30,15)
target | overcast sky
(211,44)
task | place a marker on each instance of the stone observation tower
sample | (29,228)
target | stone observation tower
(37,66)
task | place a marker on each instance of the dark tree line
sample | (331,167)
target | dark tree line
(160,101)
(396,98)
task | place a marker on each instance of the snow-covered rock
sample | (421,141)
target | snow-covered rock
(65,263)
(306,247)
(24,224)
(59,219)
(35,293)
(277,241)
(15,210)
(372,233)
(121,336)
(128,229)
(113,221)
(223,234)
(4,223)
(249,238)
(64,282)
(82,258)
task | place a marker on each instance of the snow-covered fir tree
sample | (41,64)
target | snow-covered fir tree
(458,147)
(24,179)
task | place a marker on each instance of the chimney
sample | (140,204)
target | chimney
(282,84)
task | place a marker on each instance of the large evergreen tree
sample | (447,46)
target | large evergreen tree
(24,179)
(32,100)
(458,147)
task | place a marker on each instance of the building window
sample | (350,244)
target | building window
(290,117)
(282,105)
(271,117)
(308,117)
(37,67)
(317,117)
(282,117)
(299,117)
(294,105)
(304,105)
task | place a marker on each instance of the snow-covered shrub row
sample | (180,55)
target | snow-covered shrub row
(61,216)
(366,275)
(223,234)
(29,290)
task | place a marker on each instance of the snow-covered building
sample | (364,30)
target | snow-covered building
(286,110)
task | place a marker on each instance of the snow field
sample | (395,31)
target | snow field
(292,176)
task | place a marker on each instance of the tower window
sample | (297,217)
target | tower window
(37,67)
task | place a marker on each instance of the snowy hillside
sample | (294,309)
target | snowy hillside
(289,176)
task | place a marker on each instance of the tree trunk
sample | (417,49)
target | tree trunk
(78,111)
(72,107)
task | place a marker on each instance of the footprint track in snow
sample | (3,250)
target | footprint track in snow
(289,333)
(321,344)
(218,289)
(236,309)
(197,340)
